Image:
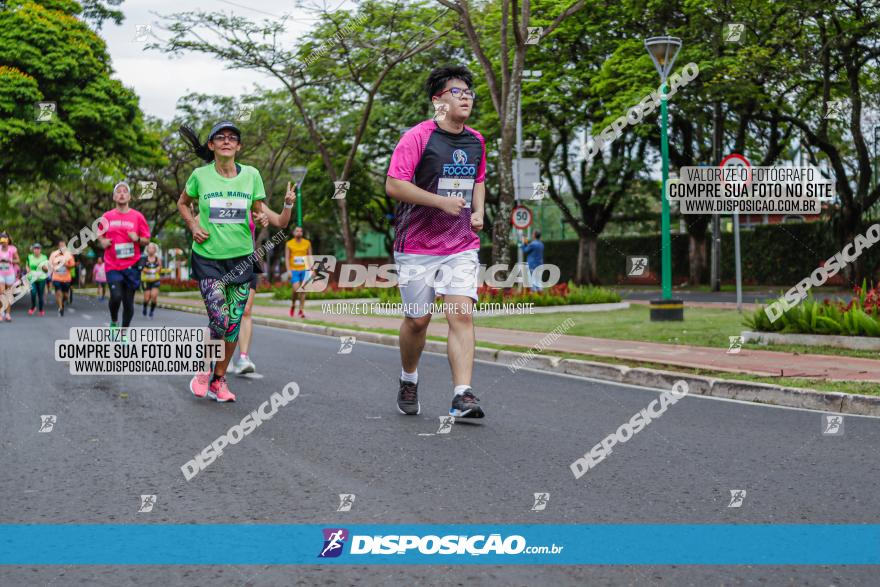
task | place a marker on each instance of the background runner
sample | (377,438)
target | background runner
(126,232)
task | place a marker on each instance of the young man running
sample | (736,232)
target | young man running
(296,261)
(151,278)
(8,261)
(227,193)
(127,231)
(437,172)
(61,261)
(245,365)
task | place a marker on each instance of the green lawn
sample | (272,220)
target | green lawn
(701,327)
(858,387)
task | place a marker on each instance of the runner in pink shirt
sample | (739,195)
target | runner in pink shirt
(8,262)
(99,275)
(127,231)
(437,175)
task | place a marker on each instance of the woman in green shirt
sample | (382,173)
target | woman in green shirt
(222,262)
(37,266)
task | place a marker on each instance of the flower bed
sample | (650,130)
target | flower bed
(175,285)
(859,317)
(282,291)
(560,294)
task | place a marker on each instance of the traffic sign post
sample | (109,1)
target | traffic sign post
(527,172)
(521,219)
(736,160)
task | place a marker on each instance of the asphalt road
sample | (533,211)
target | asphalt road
(118,437)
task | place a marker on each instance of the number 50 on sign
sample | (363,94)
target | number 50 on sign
(521,217)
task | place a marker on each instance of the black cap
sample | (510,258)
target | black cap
(223,126)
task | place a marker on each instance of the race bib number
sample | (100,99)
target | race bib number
(61,270)
(228,211)
(124,250)
(299,260)
(5,266)
(457,187)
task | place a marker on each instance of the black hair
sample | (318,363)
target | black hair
(537,234)
(200,149)
(439,76)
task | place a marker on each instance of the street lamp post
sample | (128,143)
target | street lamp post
(663,51)
(876,154)
(529,75)
(299,176)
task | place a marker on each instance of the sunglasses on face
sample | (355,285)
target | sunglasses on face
(222,138)
(459,93)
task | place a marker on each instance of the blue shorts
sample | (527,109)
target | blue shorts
(298,276)
(130,278)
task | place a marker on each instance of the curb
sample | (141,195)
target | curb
(761,393)
(857,343)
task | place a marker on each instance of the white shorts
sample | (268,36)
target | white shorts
(421,278)
(8,279)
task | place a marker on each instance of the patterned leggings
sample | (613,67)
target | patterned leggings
(225,305)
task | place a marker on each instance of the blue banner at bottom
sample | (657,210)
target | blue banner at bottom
(625,544)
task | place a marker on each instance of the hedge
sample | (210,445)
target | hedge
(772,254)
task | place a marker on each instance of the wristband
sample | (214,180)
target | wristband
(287,206)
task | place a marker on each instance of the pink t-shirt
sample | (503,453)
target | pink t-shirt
(442,163)
(6,266)
(98,273)
(123,253)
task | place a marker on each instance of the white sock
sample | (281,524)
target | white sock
(460,389)
(410,377)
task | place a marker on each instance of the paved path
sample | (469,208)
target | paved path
(755,362)
(119,437)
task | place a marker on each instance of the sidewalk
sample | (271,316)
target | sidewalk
(753,362)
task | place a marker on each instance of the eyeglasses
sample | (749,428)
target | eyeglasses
(222,138)
(459,93)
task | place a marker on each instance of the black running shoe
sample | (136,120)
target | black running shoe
(466,405)
(408,398)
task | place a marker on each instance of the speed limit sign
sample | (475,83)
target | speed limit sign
(521,217)
(736,169)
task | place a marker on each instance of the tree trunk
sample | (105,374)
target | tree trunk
(587,266)
(696,258)
(854,272)
(501,226)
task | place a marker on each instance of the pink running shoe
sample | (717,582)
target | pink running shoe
(291,311)
(219,392)
(8,317)
(199,384)
(302,314)
(42,312)
(31,312)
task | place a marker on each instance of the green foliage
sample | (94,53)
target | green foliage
(772,254)
(48,54)
(860,317)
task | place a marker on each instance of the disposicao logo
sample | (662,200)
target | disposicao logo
(334,540)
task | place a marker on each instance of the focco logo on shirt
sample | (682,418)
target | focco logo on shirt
(460,165)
